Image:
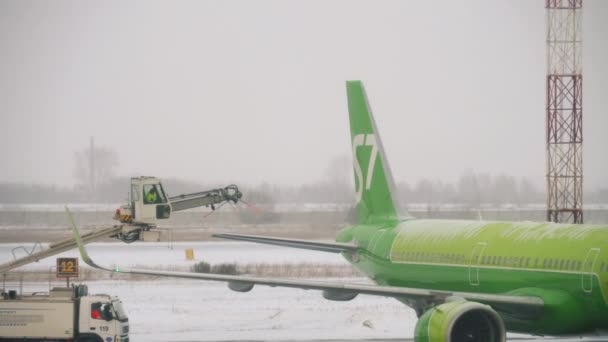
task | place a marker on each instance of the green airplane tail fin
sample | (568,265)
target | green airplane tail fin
(375,190)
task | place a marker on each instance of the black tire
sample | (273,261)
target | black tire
(88,338)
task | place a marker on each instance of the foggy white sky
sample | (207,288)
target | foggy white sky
(253,91)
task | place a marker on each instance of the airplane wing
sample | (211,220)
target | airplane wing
(525,307)
(334,247)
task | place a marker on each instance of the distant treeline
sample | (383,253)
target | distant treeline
(471,190)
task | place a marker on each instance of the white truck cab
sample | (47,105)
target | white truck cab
(148,202)
(104,316)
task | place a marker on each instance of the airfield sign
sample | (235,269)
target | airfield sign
(67,267)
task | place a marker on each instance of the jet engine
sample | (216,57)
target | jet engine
(460,321)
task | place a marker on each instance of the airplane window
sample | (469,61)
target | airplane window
(544,263)
(573,265)
(561,264)
(602,268)
(578,265)
(567,264)
(499,260)
(527,262)
(550,263)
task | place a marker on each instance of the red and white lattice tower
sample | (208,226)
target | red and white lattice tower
(564,111)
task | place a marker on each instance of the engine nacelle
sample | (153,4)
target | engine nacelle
(460,321)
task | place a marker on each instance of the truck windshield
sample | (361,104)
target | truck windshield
(153,194)
(121,315)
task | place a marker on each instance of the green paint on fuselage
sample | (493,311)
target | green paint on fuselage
(566,265)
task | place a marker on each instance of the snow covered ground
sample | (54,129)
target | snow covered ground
(161,254)
(185,310)
(189,310)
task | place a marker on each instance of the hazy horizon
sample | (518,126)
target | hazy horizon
(253,91)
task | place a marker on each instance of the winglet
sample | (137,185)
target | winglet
(83,252)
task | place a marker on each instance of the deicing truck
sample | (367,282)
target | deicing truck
(63,314)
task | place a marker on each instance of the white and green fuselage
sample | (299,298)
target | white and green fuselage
(565,265)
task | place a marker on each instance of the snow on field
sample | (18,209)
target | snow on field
(159,254)
(187,310)
(190,310)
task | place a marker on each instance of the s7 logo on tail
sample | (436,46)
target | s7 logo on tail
(364,140)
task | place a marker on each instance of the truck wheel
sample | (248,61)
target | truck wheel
(88,338)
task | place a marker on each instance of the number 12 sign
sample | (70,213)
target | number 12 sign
(67,267)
